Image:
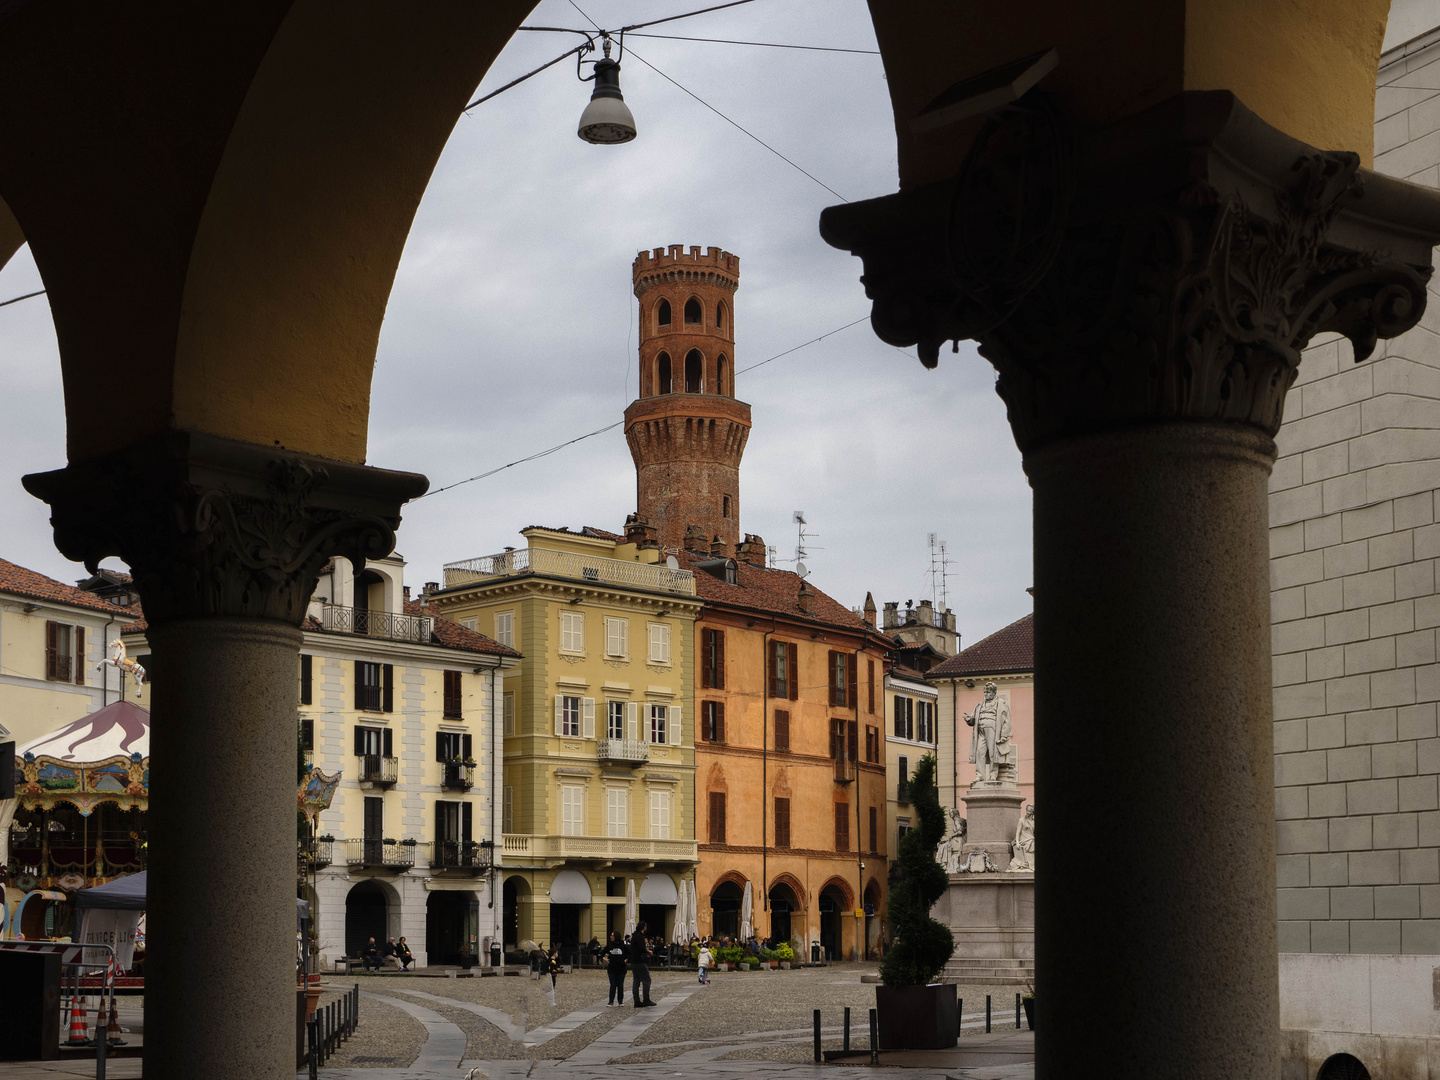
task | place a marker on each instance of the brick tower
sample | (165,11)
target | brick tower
(686,430)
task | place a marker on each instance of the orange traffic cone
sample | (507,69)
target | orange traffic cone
(112,1029)
(79,1033)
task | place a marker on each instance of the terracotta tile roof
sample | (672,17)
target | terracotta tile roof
(767,590)
(454,636)
(1009,650)
(592,531)
(900,671)
(19,581)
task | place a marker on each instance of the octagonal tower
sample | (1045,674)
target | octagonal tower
(686,430)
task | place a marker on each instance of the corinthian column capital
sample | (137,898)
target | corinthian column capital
(1172,265)
(215,527)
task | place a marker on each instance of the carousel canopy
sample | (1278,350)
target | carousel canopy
(121,729)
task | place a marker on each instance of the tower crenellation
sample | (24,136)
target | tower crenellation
(686,430)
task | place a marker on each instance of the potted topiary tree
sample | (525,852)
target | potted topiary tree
(914,1012)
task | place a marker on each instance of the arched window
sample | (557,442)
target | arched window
(662,313)
(664,373)
(694,378)
(720,316)
(724,506)
(721,374)
(692,311)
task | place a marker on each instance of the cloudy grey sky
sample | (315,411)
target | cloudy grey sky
(511,327)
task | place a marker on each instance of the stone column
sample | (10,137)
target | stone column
(1144,291)
(225,541)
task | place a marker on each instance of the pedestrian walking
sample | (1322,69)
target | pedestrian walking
(550,971)
(615,968)
(640,967)
(705,960)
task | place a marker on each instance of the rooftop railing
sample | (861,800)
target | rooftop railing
(591,568)
(376,624)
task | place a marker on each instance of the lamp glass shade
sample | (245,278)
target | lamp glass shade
(606,120)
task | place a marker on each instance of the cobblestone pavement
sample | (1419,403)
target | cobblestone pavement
(493,1028)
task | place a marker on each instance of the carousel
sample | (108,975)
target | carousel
(78,818)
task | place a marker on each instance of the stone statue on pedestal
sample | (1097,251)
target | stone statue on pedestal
(948,853)
(1022,849)
(990,749)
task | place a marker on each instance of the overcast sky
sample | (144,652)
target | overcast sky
(511,327)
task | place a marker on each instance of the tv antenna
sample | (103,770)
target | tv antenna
(939,573)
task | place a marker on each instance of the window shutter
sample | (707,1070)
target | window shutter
(673,726)
(559,714)
(632,720)
(440,746)
(465,746)
(387,677)
(874,829)
(467,818)
(507,818)
(854,741)
(720,721)
(899,716)
(588,721)
(719,659)
(792,670)
(830,669)
(707,655)
(852,664)
(870,668)
(52,645)
(359,685)
(80,655)
(665,645)
(389,743)
(842,826)
(771,674)
(307,668)
(782,730)
(359,741)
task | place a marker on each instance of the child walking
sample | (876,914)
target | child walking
(552,969)
(705,960)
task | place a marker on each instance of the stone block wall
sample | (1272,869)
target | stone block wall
(1354,542)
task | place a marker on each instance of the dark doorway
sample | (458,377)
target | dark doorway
(874,946)
(565,927)
(725,909)
(782,905)
(365,917)
(445,914)
(694,374)
(832,906)
(363,586)
(510,923)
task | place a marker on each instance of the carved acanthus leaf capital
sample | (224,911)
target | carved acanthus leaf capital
(213,527)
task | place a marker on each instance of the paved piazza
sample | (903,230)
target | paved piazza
(505,1027)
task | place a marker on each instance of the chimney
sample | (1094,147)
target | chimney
(695,540)
(869,610)
(926,613)
(892,614)
(640,532)
(751,550)
(718,548)
(807,597)
(431,587)
(407,593)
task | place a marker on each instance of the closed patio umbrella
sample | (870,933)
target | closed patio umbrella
(632,909)
(746,906)
(693,910)
(682,919)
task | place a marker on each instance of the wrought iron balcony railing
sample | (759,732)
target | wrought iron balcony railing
(623,751)
(379,770)
(317,854)
(653,576)
(462,855)
(459,776)
(378,624)
(380,854)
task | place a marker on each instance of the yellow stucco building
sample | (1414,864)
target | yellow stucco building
(599,759)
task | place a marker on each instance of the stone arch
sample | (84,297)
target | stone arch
(841,886)
(372,908)
(791,882)
(664,376)
(722,376)
(662,314)
(720,315)
(694,372)
(694,312)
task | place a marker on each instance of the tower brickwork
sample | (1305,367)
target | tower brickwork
(686,430)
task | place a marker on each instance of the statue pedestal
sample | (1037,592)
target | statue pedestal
(990,914)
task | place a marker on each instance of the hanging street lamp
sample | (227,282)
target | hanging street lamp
(607,119)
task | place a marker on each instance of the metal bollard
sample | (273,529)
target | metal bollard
(960,1016)
(847,1029)
(987,1014)
(1017,1012)
(312,1038)
(818,1056)
(874,1038)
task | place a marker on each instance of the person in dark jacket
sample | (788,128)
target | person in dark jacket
(370,955)
(550,970)
(640,967)
(615,953)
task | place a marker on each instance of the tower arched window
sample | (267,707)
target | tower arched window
(720,316)
(662,313)
(693,313)
(664,365)
(694,373)
(722,375)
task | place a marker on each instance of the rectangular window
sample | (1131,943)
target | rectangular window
(782,823)
(712,659)
(568,711)
(374,821)
(372,742)
(870,678)
(837,680)
(784,664)
(617,806)
(471,623)
(368,691)
(842,826)
(837,739)
(660,815)
(615,719)
(874,831)
(872,743)
(904,717)
(902,780)
(852,752)
(902,826)
(572,631)
(509,708)
(454,694)
(507,814)
(657,723)
(307,734)
(659,643)
(505,628)
(447,821)
(59,651)
(572,810)
(712,721)
(617,637)
(717,817)
(782,730)
(307,692)
(448,746)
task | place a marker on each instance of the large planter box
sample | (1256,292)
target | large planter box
(917,1017)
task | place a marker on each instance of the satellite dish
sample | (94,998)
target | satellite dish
(802,570)
(671,563)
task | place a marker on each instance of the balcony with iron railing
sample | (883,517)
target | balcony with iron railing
(471,855)
(459,775)
(623,751)
(376,769)
(365,622)
(318,853)
(379,854)
(520,847)
(654,577)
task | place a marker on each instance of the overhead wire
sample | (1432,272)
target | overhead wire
(27,296)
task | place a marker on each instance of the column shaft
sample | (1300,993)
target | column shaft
(1155,895)
(220,962)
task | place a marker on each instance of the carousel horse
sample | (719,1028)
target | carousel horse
(123,663)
